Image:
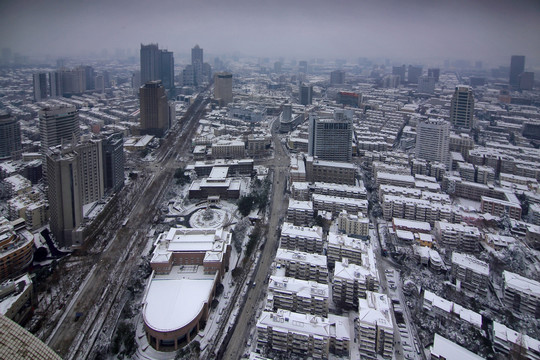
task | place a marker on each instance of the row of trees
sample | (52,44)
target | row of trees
(257,197)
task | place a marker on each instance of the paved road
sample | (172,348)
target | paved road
(247,318)
(99,291)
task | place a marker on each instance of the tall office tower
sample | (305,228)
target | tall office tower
(58,124)
(40,86)
(277,67)
(207,71)
(306,94)
(462,107)
(303,66)
(136,80)
(113,162)
(10,135)
(331,139)
(90,155)
(74,81)
(89,75)
(413,73)
(433,141)
(435,73)
(526,80)
(517,66)
(167,69)
(337,77)
(99,84)
(426,84)
(55,84)
(64,194)
(154,109)
(197,63)
(223,88)
(188,76)
(150,63)
(399,71)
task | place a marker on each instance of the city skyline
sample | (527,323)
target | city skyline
(488,31)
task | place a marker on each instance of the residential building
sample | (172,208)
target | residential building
(353,281)
(376,327)
(499,207)
(302,238)
(526,80)
(470,274)
(341,246)
(300,213)
(337,77)
(353,224)
(521,294)
(287,293)
(10,135)
(302,265)
(330,171)
(517,67)
(16,248)
(335,204)
(17,299)
(113,162)
(432,141)
(462,107)
(435,73)
(413,73)
(444,349)
(457,236)
(223,88)
(305,94)
(154,109)
(448,312)
(513,344)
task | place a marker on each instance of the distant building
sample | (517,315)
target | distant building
(305,94)
(517,66)
(157,64)
(432,141)
(10,135)
(399,71)
(462,107)
(413,73)
(154,109)
(426,85)
(40,86)
(197,62)
(435,73)
(337,77)
(223,88)
(55,84)
(526,80)
(349,98)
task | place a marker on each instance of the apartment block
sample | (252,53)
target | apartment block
(300,213)
(470,273)
(352,281)
(303,238)
(336,204)
(448,312)
(353,224)
(296,295)
(341,246)
(348,191)
(302,265)
(458,236)
(498,207)
(330,171)
(513,344)
(521,294)
(376,328)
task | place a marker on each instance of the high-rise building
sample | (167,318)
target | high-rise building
(426,85)
(89,75)
(526,80)
(303,66)
(306,94)
(150,63)
(331,139)
(64,195)
(167,69)
(154,109)
(337,77)
(462,107)
(188,76)
(57,125)
(90,155)
(55,84)
(433,141)
(113,162)
(223,88)
(197,63)
(435,73)
(99,84)
(10,135)
(73,81)
(399,71)
(413,73)
(40,86)
(517,66)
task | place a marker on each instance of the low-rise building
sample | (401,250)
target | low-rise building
(353,224)
(444,349)
(521,294)
(17,298)
(303,238)
(512,344)
(336,204)
(297,295)
(457,236)
(341,246)
(216,184)
(342,190)
(302,265)
(498,207)
(352,282)
(470,274)
(448,312)
(303,334)
(300,213)
(228,149)
(376,327)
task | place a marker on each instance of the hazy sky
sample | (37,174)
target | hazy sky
(489,30)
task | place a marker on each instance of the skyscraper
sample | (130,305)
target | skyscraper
(517,66)
(167,69)
(337,77)
(413,73)
(154,109)
(113,162)
(526,80)
(150,63)
(305,94)
(433,141)
(435,73)
(40,86)
(426,85)
(462,107)
(10,135)
(331,139)
(399,71)
(197,63)
(90,154)
(223,88)
(55,84)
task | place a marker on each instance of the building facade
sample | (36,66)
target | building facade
(462,107)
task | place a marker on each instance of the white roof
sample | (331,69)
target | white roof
(340,200)
(288,321)
(375,310)
(340,240)
(444,348)
(300,205)
(412,224)
(470,262)
(503,334)
(300,256)
(521,284)
(302,288)
(314,232)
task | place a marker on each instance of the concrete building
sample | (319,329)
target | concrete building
(526,80)
(444,349)
(499,207)
(462,107)
(435,73)
(413,73)
(342,190)
(353,224)
(330,171)
(330,139)
(352,281)
(517,67)
(150,63)
(376,327)
(300,213)
(16,248)
(341,246)
(216,184)
(17,299)
(308,297)
(10,136)
(302,238)
(305,94)
(335,204)
(432,141)
(228,149)
(513,344)
(303,334)
(457,236)
(197,62)
(113,162)
(521,294)
(40,86)
(223,88)
(154,109)
(337,77)
(302,265)
(470,274)
(448,312)
(426,85)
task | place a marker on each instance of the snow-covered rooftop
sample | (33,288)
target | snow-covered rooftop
(445,349)
(468,261)
(375,310)
(521,283)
